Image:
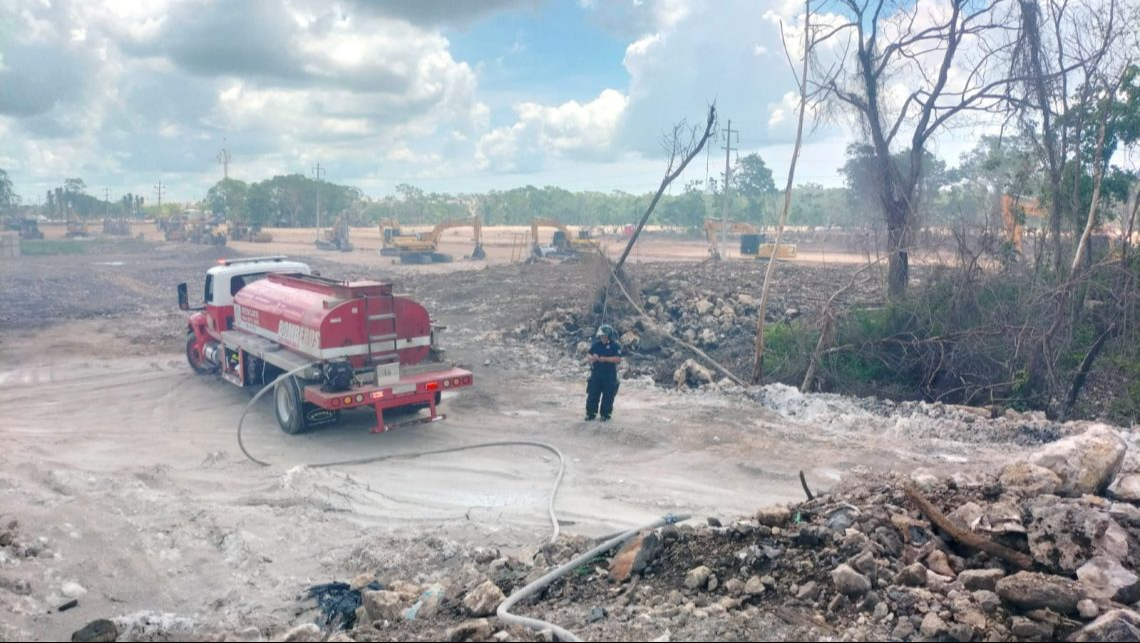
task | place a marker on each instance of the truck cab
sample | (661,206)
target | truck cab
(224,280)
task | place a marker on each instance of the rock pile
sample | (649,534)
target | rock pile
(862,562)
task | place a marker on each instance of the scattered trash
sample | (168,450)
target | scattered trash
(338,602)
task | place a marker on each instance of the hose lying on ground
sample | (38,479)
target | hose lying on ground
(504,611)
(555,530)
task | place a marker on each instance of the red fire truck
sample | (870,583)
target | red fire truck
(342,344)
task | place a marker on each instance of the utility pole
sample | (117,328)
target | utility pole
(224,159)
(158,190)
(317,171)
(107,202)
(727,182)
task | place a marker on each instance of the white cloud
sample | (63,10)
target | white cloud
(572,130)
(282,79)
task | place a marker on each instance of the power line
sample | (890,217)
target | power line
(224,159)
(317,171)
(728,148)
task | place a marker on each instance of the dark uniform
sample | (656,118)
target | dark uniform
(603,383)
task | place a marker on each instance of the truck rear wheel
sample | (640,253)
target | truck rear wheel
(294,414)
(290,407)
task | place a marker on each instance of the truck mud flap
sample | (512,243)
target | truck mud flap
(319,416)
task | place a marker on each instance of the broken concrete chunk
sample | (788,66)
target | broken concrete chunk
(305,633)
(692,374)
(776,516)
(1117,625)
(850,582)
(1085,463)
(1126,487)
(637,555)
(100,630)
(1030,590)
(478,630)
(1065,534)
(975,579)
(382,605)
(698,577)
(484,599)
(912,575)
(1107,579)
(939,564)
(1028,480)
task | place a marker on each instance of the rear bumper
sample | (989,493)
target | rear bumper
(418,388)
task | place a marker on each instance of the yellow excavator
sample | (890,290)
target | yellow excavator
(563,243)
(240,231)
(713,229)
(424,247)
(76,227)
(752,241)
(389,231)
(1014,212)
(336,237)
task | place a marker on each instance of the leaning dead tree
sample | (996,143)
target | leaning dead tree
(682,146)
(907,71)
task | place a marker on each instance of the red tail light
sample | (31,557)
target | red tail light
(432,386)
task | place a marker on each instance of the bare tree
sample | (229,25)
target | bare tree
(887,44)
(809,36)
(681,146)
(1047,65)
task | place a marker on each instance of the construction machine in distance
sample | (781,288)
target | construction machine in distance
(209,232)
(113,227)
(1015,210)
(424,247)
(29,229)
(76,227)
(336,237)
(251,233)
(337,345)
(563,243)
(389,230)
(174,228)
(750,237)
(753,243)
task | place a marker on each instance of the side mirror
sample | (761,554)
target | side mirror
(183,298)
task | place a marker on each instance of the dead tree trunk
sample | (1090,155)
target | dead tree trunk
(758,363)
(675,148)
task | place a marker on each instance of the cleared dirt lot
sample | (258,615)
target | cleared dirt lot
(126,464)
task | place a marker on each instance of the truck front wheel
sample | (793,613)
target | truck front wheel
(195,357)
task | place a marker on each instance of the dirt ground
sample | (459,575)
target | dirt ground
(123,465)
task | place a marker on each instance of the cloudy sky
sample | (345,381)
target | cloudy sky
(449,96)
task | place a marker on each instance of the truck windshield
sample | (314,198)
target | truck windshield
(209,288)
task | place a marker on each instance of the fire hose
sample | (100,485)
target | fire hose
(503,612)
(415,454)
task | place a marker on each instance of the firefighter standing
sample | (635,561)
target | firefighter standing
(604,357)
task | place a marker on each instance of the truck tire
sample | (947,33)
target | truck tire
(289,406)
(194,356)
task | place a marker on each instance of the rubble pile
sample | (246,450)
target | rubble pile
(1059,559)
(713,307)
